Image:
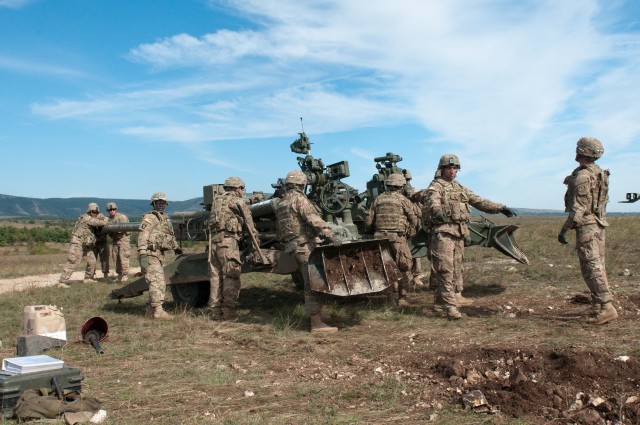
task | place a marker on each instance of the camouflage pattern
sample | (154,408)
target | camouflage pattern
(155,239)
(230,216)
(589,147)
(83,245)
(299,224)
(120,245)
(585,201)
(445,215)
(392,217)
(102,249)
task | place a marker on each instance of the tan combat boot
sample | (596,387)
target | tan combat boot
(405,302)
(89,280)
(392,299)
(157,313)
(438,304)
(229,313)
(453,313)
(606,314)
(214,312)
(318,326)
(62,284)
(462,301)
(417,282)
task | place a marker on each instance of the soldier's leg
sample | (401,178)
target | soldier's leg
(103,252)
(231,280)
(75,254)
(458,267)
(416,273)
(157,288)
(404,262)
(89,254)
(442,255)
(312,301)
(124,254)
(215,280)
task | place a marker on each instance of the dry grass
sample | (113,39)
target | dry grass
(195,371)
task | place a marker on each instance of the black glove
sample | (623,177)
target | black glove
(467,241)
(562,237)
(178,251)
(440,217)
(144,262)
(509,212)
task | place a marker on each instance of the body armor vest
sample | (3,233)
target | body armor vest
(597,190)
(83,231)
(456,203)
(162,236)
(222,216)
(290,224)
(389,214)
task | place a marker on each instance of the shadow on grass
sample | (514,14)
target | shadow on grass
(479,291)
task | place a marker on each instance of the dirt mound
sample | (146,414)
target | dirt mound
(582,387)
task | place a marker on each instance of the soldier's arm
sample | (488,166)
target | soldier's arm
(149,221)
(370,216)
(407,207)
(310,215)
(581,201)
(433,208)
(245,214)
(482,204)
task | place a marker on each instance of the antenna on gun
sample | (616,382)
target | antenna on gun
(301,124)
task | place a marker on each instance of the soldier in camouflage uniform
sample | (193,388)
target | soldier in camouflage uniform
(392,217)
(83,244)
(102,253)
(229,221)
(446,213)
(413,195)
(120,242)
(155,239)
(299,226)
(585,201)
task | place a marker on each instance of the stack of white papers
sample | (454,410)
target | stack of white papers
(29,364)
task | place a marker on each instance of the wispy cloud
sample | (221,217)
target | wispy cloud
(16,4)
(38,68)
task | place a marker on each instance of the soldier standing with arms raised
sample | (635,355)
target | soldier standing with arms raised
(392,217)
(585,201)
(298,226)
(230,219)
(155,239)
(446,212)
(120,242)
(83,244)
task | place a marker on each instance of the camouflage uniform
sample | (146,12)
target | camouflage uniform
(298,226)
(446,213)
(585,201)
(120,247)
(392,217)
(102,252)
(416,203)
(229,217)
(155,239)
(83,245)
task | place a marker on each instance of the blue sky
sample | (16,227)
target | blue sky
(121,98)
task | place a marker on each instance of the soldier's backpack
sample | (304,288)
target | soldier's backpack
(38,404)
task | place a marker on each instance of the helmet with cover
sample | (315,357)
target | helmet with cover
(93,207)
(159,196)
(407,174)
(296,178)
(447,160)
(395,180)
(234,182)
(589,147)
(111,206)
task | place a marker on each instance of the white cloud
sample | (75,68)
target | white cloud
(38,68)
(16,4)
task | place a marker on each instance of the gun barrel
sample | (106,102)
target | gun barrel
(183,217)
(262,209)
(133,226)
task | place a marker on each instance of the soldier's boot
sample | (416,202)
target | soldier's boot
(89,280)
(229,313)
(462,301)
(406,302)
(392,299)
(438,304)
(318,326)
(607,313)
(157,313)
(417,282)
(63,284)
(214,312)
(453,313)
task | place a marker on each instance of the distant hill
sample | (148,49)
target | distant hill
(17,206)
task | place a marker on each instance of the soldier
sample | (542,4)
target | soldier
(392,217)
(102,253)
(230,220)
(446,213)
(585,201)
(155,239)
(83,244)
(413,195)
(120,242)
(298,226)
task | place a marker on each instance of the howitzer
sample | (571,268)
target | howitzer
(631,198)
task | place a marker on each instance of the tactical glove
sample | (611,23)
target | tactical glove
(509,212)
(178,251)
(326,232)
(144,262)
(467,241)
(562,237)
(440,217)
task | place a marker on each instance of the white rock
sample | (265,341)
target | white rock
(249,393)
(622,358)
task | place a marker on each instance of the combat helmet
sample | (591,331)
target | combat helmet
(395,180)
(159,196)
(235,182)
(111,206)
(296,177)
(407,174)
(449,159)
(589,147)
(93,207)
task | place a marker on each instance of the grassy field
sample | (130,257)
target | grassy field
(524,345)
